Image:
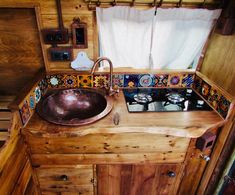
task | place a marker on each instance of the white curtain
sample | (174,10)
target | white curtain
(170,40)
(124,35)
(179,35)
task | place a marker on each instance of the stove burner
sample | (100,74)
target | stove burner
(175,98)
(142,98)
(164,100)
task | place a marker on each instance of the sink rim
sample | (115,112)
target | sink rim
(106,111)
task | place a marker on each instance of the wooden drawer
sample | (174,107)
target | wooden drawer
(74,179)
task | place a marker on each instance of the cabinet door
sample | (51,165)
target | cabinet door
(138,179)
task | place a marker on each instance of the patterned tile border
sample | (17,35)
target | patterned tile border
(120,80)
(28,106)
(174,80)
(25,113)
(213,95)
(187,80)
(161,80)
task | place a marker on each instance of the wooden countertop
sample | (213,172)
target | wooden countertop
(184,124)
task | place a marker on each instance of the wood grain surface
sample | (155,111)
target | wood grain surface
(108,143)
(182,124)
(137,179)
(15,167)
(219,62)
(20,49)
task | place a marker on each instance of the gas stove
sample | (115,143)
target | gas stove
(164,100)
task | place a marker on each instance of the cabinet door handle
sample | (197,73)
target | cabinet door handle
(171,174)
(205,157)
(64,177)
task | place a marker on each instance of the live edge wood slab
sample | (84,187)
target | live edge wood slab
(181,124)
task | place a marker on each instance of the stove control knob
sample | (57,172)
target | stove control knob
(200,102)
(189,91)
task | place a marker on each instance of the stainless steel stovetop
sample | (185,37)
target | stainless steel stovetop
(164,100)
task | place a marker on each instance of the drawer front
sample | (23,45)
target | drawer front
(75,179)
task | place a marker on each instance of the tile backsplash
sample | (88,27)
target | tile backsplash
(27,107)
(213,96)
(120,80)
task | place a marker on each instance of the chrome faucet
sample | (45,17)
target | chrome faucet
(111,91)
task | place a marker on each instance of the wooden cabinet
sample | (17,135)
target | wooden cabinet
(108,164)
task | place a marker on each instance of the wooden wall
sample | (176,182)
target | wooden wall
(20,49)
(16,173)
(219,62)
(48,18)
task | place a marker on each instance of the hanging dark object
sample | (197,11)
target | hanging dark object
(79,34)
(226,22)
(56,35)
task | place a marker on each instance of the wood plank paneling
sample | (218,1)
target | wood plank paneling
(72,159)
(108,143)
(23,180)
(20,49)
(15,167)
(12,170)
(219,62)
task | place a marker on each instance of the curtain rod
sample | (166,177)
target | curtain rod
(161,3)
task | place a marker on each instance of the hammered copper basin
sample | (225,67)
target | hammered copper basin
(74,106)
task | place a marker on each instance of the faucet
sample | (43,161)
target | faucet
(111,91)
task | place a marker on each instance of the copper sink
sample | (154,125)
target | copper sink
(74,107)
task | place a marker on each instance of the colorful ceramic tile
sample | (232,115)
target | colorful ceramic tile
(223,106)
(131,80)
(69,81)
(25,113)
(101,81)
(85,80)
(197,84)
(37,94)
(54,81)
(187,80)
(161,80)
(205,89)
(174,80)
(214,98)
(32,102)
(118,80)
(43,86)
(146,80)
